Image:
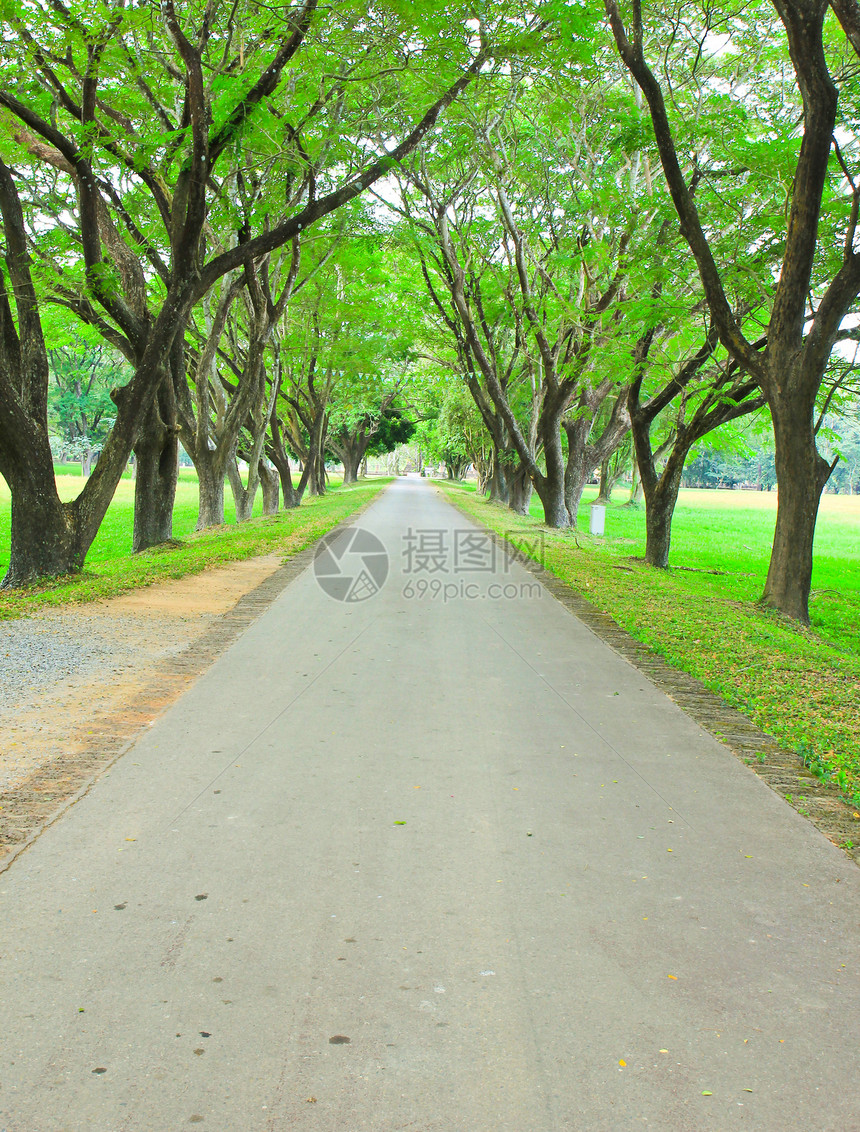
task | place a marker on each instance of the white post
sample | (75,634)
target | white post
(598,519)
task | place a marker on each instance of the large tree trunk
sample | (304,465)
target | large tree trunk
(659,488)
(585,451)
(519,488)
(45,536)
(255,460)
(550,486)
(292,497)
(270,485)
(484,472)
(50,538)
(455,468)
(243,497)
(156,452)
(576,470)
(659,509)
(551,493)
(277,453)
(316,455)
(352,455)
(210,481)
(316,480)
(496,486)
(801,474)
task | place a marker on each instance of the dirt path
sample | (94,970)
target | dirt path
(137,653)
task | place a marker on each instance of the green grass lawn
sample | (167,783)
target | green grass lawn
(114,537)
(111,568)
(801,686)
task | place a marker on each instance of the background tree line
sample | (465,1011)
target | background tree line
(547,237)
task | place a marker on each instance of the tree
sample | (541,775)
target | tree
(379,428)
(374,356)
(94,113)
(705,402)
(560,247)
(461,438)
(813,290)
(446,343)
(233,383)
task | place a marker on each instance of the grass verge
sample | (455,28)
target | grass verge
(111,570)
(800,686)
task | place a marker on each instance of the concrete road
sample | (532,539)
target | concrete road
(437,861)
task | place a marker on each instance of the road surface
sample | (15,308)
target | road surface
(435,860)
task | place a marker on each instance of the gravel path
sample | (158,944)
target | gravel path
(69,676)
(40,653)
